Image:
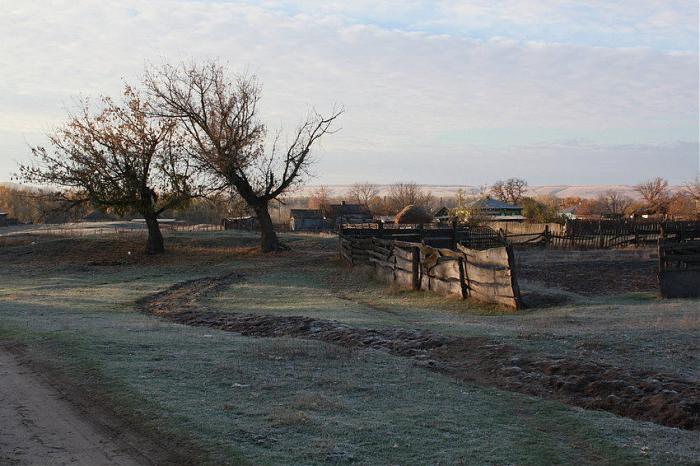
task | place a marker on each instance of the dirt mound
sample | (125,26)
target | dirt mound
(642,395)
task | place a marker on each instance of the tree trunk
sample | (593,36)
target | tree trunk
(268,238)
(154,245)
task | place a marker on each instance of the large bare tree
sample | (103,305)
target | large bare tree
(363,193)
(121,158)
(614,203)
(404,194)
(511,190)
(693,189)
(656,194)
(219,115)
(321,199)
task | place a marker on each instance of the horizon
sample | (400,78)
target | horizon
(562,191)
(448,93)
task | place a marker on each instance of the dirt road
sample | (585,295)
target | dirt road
(39,427)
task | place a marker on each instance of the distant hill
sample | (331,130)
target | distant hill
(583,191)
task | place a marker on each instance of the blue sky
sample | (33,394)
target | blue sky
(442,92)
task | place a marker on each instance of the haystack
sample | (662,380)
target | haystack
(413,214)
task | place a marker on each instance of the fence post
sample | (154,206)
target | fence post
(380,230)
(546,236)
(517,298)
(454,234)
(415,268)
(463,279)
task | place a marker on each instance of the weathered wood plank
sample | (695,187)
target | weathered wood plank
(443,287)
(485,275)
(404,264)
(493,256)
(403,253)
(403,279)
(382,263)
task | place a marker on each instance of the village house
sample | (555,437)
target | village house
(307,220)
(570,212)
(494,210)
(442,215)
(349,213)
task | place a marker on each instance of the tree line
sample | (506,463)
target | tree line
(655,198)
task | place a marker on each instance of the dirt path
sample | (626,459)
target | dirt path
(643,395)
(39,427)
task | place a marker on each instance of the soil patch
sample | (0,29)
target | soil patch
(642,395)
(591,276)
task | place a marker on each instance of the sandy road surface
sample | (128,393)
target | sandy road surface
(39,427)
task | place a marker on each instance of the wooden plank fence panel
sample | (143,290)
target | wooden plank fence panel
(679,269)
(484,275)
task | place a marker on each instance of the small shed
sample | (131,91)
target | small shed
(442,215)
(349,213)
(307,220)
(570,212)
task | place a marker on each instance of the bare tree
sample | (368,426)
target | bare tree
(511,190)
(220,117)
(655,193)
(682,205)
(321,200)
(404,194)
(614,203)
(363,193)
(693,188)
(120,158)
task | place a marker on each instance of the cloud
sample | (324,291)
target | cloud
(407,72)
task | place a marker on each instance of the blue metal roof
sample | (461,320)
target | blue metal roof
(488,203)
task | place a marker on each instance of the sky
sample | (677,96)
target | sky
(436,92)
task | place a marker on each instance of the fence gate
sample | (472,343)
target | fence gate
(679,269)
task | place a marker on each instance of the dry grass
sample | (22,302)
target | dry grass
(310,401)
(287,417)
(286,401)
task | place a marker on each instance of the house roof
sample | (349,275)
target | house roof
(486,203)
(350,209)
(442,212)
(314,214)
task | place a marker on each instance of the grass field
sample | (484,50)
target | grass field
(242,400)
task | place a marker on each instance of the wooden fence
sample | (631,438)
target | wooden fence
(438,235)
(136,228)
(595,234)
(575,234)
(484,275)
(679,268)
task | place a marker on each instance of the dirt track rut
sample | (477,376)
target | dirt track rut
(642,395)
